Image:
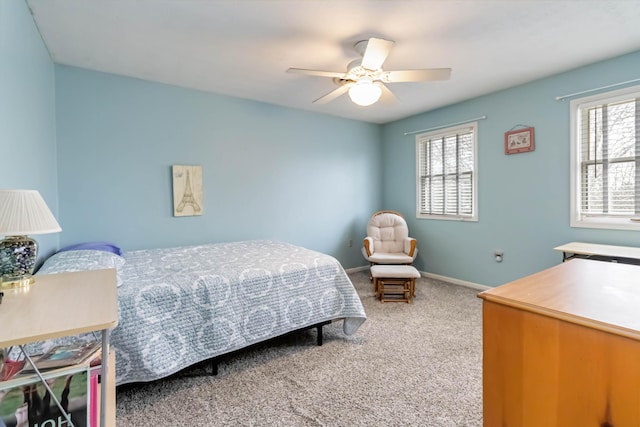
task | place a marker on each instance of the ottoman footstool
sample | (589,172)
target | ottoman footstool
(394,282)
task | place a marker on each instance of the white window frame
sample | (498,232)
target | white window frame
(578,219)
(473,126)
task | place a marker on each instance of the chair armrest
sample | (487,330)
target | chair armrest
(410,246)
(368,245)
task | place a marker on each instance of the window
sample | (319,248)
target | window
(446,173)
(605,158)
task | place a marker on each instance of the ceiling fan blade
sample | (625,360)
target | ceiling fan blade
(387,97)
(316,73)
(424,75)
(333,94)
(376,53)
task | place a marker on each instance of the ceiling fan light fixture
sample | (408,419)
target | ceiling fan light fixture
(365,78)
(365,93)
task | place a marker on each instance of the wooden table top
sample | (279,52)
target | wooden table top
(59,305)
(598,249)
(599,295)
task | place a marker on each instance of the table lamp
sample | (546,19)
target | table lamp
(22,212)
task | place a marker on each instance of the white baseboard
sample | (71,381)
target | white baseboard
(356,269)
(455,281)
(451,280)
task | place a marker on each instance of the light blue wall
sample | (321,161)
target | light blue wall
(523,198)
(268,172)
(27,111)
(271,172)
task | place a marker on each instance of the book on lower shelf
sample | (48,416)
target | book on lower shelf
(94,396)
(65,355)
(10,369)
(25,401)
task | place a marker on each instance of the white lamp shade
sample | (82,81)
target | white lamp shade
(365,93)
(24,212)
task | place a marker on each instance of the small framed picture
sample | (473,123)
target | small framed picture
(519,141)
(187,190)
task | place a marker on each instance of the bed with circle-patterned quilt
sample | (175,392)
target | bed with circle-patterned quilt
(184,305)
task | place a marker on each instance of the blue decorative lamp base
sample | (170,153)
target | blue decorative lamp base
(17,261)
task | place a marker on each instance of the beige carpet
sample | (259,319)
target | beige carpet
(417,364)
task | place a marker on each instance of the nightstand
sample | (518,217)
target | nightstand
(58,305)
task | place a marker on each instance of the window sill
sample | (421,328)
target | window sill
(449,218)
(606,223)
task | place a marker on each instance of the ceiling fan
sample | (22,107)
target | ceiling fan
(365,79)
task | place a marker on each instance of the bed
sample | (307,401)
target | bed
(184,305)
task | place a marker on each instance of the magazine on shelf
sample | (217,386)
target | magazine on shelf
(65,355)
(25,401)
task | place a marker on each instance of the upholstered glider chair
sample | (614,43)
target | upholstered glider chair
(388,240)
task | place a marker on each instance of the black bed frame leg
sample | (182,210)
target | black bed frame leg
(214,366)
(319,329)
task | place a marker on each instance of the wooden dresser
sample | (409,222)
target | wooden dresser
(562,347)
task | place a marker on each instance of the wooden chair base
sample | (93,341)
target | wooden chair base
(395,290)
(395,283)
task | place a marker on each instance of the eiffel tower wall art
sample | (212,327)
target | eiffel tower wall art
(187,190)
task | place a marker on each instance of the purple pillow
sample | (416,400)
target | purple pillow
(96,246)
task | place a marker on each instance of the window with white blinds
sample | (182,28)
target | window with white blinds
(447,173)
(606,158)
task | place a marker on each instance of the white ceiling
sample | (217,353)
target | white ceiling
(242,48)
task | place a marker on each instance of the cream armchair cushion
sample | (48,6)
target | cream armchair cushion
(388,240)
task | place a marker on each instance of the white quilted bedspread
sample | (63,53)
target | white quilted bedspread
(180,306)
